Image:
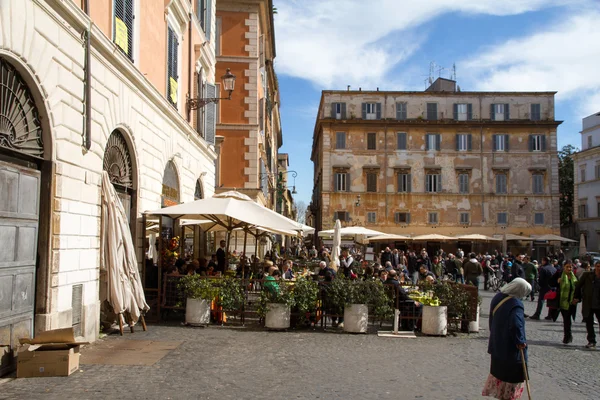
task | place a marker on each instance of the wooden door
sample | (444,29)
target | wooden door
(19,215)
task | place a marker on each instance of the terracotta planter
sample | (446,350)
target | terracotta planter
(356,318)
(435,320)
(278,316)
(197,312)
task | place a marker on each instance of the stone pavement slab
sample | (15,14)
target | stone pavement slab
(238,363)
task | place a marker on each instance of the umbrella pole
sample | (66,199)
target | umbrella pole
(244,253)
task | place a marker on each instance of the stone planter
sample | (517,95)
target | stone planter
(278,316)
(356,318)
(435,320)
(474,325)
(197,312)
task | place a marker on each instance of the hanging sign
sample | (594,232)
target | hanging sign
(121,35)
(173,94)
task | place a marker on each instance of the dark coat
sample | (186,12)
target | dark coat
(584,292)
(545,274)
(507,329)
(385,257)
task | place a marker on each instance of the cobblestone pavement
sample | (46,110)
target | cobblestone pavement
(238,363)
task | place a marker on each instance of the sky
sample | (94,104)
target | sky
(506,45)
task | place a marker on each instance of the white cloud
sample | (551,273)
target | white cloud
(333,43)
(563,58)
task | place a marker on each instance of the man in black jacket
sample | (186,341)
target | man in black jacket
(588,290)
(386,256)
(545,272)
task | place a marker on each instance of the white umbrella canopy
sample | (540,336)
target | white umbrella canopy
(510,236)
(337,241)
(477,237)
(125,291)
(386,237)
(351,231)
(582,247)
(554,238)
(433,237)
(230,210)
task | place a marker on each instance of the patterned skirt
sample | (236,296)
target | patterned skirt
(498,389)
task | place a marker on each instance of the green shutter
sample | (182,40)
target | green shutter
(506,112)
(208,27)
(492,112)
(333,113)
(469,111)
(343,110)
(543,142)
(378,111)
(211,114)
(409,183)
(455,107)
(438,139)
(469,142)
(495,142)
(506,142)
(364,110)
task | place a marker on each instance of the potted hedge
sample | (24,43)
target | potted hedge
(306,295)
(353,298)
(231,295)
(275,304)
(199,292)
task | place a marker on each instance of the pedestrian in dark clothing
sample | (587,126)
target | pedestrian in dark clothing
(386,256)
(588,292)
(472,270)
(545,274)
(221,257)
(507,339)
(517,270)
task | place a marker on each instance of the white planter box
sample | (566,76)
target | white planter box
(474,325)
(435,320)
(197,312)
(278,316)
(356,318)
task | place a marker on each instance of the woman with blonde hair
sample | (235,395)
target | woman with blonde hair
(565,282)
(507,344)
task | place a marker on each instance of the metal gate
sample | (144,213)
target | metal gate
(19,215)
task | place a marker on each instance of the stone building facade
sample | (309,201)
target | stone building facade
(250,124)
(587,183)
(65,120)
(439,161)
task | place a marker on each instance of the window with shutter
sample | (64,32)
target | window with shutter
(341,182)
(401,112)
(372,217)
(200,128)
(402,218)
(371,141)
(502,218)
(372,110)
(432,114)
(201,13)
(343,216)
(463,183)
(538,184)
(461,112)
(338,110)
(501,184)
(433,183)
(340,140)
(401,138)
(498,112)
(535,114)
(218,30)
(404,183)
(208,18)
(123,26)
(462,142)
(432,217)
(465,218)
(537,143)
(211,115)
(172,67)
(500,142)
(582,174)
(539,219)
(372,182)
(432,141)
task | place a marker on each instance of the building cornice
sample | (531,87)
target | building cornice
(421,121)
(431,94)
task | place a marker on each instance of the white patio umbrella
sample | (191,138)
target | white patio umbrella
(554,238)
(477,237)
(351,231)
(230,210)
(433,237)
(582,247)
(337,241)
(125,291)
(386,238)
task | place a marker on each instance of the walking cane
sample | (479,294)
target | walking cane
(526,376)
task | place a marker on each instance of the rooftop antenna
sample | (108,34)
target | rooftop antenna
(431,71)
(454,72)
(440,69)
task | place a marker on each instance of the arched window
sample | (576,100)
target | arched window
(118,164)
(198,194)
(20,128)
(170,189)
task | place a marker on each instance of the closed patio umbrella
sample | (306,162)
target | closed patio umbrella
(337,241)
(124,292)
(582,247)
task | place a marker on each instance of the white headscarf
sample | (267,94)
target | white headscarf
(518,288)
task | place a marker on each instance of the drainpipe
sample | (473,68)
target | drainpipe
(189,116)
(88,81)
(483,177)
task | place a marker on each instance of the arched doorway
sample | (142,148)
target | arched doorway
(118,163)
(23,173)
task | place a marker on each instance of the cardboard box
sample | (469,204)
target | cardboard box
(52,353)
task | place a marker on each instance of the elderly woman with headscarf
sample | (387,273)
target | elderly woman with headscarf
(507,338)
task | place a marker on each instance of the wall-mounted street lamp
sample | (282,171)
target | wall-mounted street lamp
(357,204)
(228,82)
